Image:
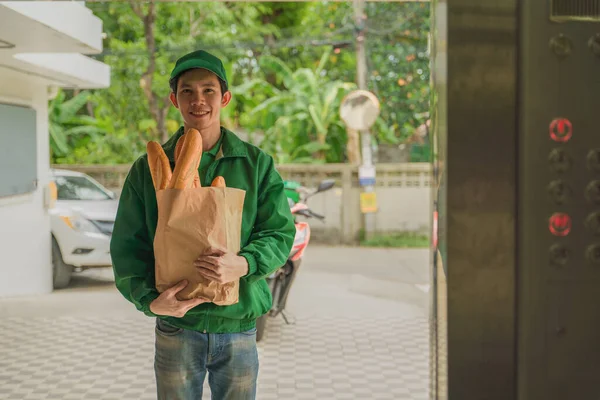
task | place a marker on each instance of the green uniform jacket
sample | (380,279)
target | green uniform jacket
(266,239)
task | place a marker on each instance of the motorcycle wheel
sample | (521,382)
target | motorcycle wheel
(261,325)
(261,322)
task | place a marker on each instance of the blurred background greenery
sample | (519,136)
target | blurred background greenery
(289,66)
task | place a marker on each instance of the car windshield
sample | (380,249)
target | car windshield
(78,188)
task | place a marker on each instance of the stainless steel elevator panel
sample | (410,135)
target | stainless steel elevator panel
(515,103)
(559,200)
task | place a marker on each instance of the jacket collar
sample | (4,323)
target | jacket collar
(231,145)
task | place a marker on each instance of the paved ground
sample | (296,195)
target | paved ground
(361,332)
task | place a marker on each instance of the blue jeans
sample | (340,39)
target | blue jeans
(183,358)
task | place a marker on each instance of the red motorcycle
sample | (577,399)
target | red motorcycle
(280,282)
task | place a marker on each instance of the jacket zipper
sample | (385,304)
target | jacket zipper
(210,172)
(206,322)
(209,177)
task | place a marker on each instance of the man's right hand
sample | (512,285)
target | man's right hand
(168,304)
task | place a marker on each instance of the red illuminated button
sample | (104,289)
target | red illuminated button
(560,224)
(561,130)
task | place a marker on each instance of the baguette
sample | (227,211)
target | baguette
(219,181)
(160,169)
(178,147)
(196,183)
(186,166)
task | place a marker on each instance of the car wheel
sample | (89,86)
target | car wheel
(61,272)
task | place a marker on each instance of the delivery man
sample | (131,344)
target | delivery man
(195,337)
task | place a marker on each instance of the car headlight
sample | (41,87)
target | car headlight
(80,224)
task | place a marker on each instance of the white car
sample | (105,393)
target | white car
(81,222)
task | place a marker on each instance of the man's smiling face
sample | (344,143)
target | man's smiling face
(199,99)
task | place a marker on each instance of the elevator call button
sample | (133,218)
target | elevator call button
(593,160)
(561,130)
(593,223)
(560,224)
(559,191)
(593,254)
(592,192)
(559,160)
(559,255)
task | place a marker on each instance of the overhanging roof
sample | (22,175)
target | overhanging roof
(48,40)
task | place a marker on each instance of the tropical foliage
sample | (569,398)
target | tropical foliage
(289,65)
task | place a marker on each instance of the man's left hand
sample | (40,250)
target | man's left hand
(221,266)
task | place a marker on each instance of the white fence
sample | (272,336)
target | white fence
(403,196)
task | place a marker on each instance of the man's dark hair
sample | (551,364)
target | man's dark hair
(173,84)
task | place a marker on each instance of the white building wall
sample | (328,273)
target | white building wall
(25,256)
(36,29)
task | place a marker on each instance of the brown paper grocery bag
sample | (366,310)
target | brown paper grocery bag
(189,222)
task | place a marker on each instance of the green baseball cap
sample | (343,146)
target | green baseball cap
(200,59)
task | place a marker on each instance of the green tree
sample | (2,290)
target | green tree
(397,50)
(144,41)
(300,113)
(397,58)
(67,125)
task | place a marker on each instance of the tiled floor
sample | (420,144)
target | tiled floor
(355,346)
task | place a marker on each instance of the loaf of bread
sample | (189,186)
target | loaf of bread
(178,146)
(186,165)
(219,181)
(196,182)
(160,169)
